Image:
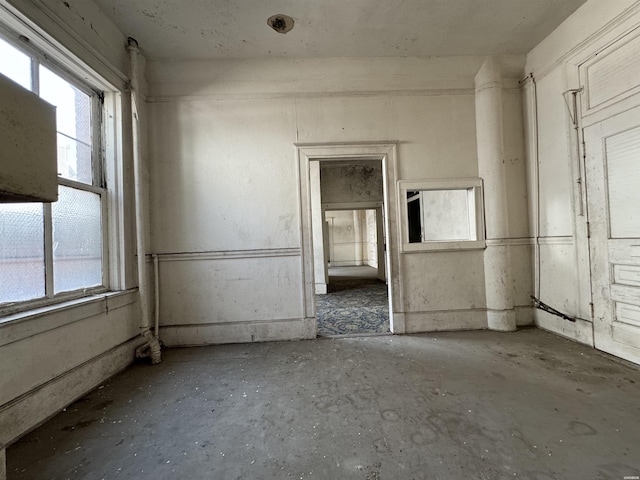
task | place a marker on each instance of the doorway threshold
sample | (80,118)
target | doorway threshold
(354,335)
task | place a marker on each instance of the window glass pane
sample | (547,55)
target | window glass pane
(15,64)
(77,240)
(21,252)
(414,217)
(73,122)
(74,159)
(446,215)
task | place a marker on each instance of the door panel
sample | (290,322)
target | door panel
(613,195)
(623,180)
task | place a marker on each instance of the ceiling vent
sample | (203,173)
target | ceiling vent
(280,23)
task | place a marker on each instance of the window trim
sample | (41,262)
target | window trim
(470,184)
(106,160)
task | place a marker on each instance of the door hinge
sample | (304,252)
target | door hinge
(588,230)
(591,308)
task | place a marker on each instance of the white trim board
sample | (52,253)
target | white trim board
(35,407)
(384,151)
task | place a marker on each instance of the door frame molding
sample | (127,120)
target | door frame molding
(384,151)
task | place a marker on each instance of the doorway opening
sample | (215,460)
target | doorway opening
(357,299)
(351,259)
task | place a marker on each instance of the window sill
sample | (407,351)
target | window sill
(443,246)
(18,326)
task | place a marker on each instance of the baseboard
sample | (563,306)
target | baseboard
(33,408)
(580,331)
(398,325)
(524,316)
(238,332)
(3,463)
(347,263)
(418,322)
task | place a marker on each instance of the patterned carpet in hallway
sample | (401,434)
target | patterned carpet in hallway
(353,306)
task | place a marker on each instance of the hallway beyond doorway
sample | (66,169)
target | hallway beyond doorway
(356,303)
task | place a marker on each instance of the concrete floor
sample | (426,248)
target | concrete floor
(363,271)
(467,405)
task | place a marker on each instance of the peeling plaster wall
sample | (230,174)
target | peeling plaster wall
(224,192)
(351,183)
(51,356)
(81,27)
(562,265)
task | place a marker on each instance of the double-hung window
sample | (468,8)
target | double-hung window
(55,251)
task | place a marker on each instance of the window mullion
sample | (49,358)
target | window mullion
(48,216)
(423,218)
(96,134)
(35,76)
(48,250)
(104,205)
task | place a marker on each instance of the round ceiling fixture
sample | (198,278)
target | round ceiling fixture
(280,23)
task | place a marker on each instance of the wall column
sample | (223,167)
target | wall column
(489,131)
(358,237)
(382,273)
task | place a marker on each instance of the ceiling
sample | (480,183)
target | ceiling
(208,29)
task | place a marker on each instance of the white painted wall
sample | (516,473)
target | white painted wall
(224,200)
(349,237)
(357,185)
(51,356)
(371,239)
(520,244)
(562,263)
(224,180)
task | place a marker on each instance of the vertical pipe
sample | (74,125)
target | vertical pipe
(576,129)
(534,181)
(156,296)
(153,346)
(537,184)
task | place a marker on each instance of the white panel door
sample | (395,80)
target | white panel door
(613,193)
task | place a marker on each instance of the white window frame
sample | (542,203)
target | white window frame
(106,159)
(475,209)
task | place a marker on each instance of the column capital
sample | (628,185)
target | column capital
(489,74)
